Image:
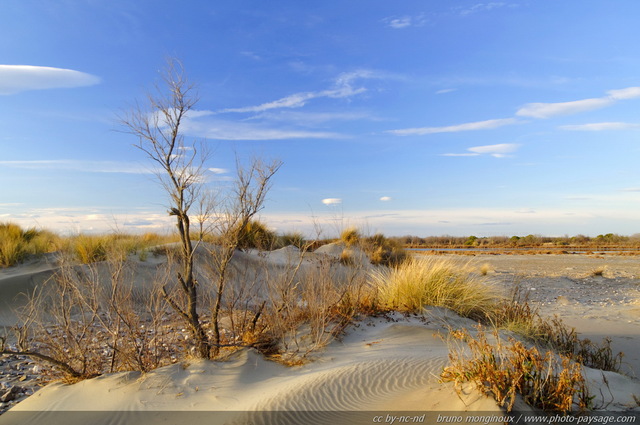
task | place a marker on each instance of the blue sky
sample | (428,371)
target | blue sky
(413,117)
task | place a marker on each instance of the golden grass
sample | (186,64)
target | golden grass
(420,282)
(350,236)
(16,244)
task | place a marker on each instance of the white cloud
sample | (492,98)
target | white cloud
(501,150)
(342,88)
(18,78)
(548,110)
(332,201)
(213,128)
(443,91)
(482,7)
(398,23)
(385,198)
(471,126)
(218,170)
(406,21)
(601,126)
(628,93)
(311,118)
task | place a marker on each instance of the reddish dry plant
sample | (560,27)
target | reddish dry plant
(545,381)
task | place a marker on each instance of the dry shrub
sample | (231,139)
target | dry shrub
(384,251)
(309,306)
(544,381)
(518,315)
(90,319)
(420,282)
(485,269)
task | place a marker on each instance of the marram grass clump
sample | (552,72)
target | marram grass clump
(423,282)
(16,244)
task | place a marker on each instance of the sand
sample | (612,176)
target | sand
(381,365)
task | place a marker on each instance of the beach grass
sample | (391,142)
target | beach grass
(16,244)
(434,282)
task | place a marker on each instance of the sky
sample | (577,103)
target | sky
(416,117)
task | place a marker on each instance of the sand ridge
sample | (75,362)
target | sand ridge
(388,363)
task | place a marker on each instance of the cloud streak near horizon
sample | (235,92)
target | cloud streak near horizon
(19,78)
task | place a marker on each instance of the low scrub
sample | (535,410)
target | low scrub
(543,380)
(518,315)
(384,251)
(434,282)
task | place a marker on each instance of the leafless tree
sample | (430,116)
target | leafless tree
(158,126)
(247,199)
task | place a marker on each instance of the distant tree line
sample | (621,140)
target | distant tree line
(446,241)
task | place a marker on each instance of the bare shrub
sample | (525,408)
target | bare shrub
(310,305)
(91,319)
(506,370)
(519,316)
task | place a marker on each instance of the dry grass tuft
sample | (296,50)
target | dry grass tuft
(504,371)
(350,236)
(434,282)
(16,244)
(485,269)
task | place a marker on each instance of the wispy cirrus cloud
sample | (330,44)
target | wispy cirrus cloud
(484,7)
(500,150)
(471,126)
(406,21)
(311,118)
(343,87)
(18,78)
(601,126)
(548,110)
(211,127)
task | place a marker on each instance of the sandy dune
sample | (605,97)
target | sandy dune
(382,365)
